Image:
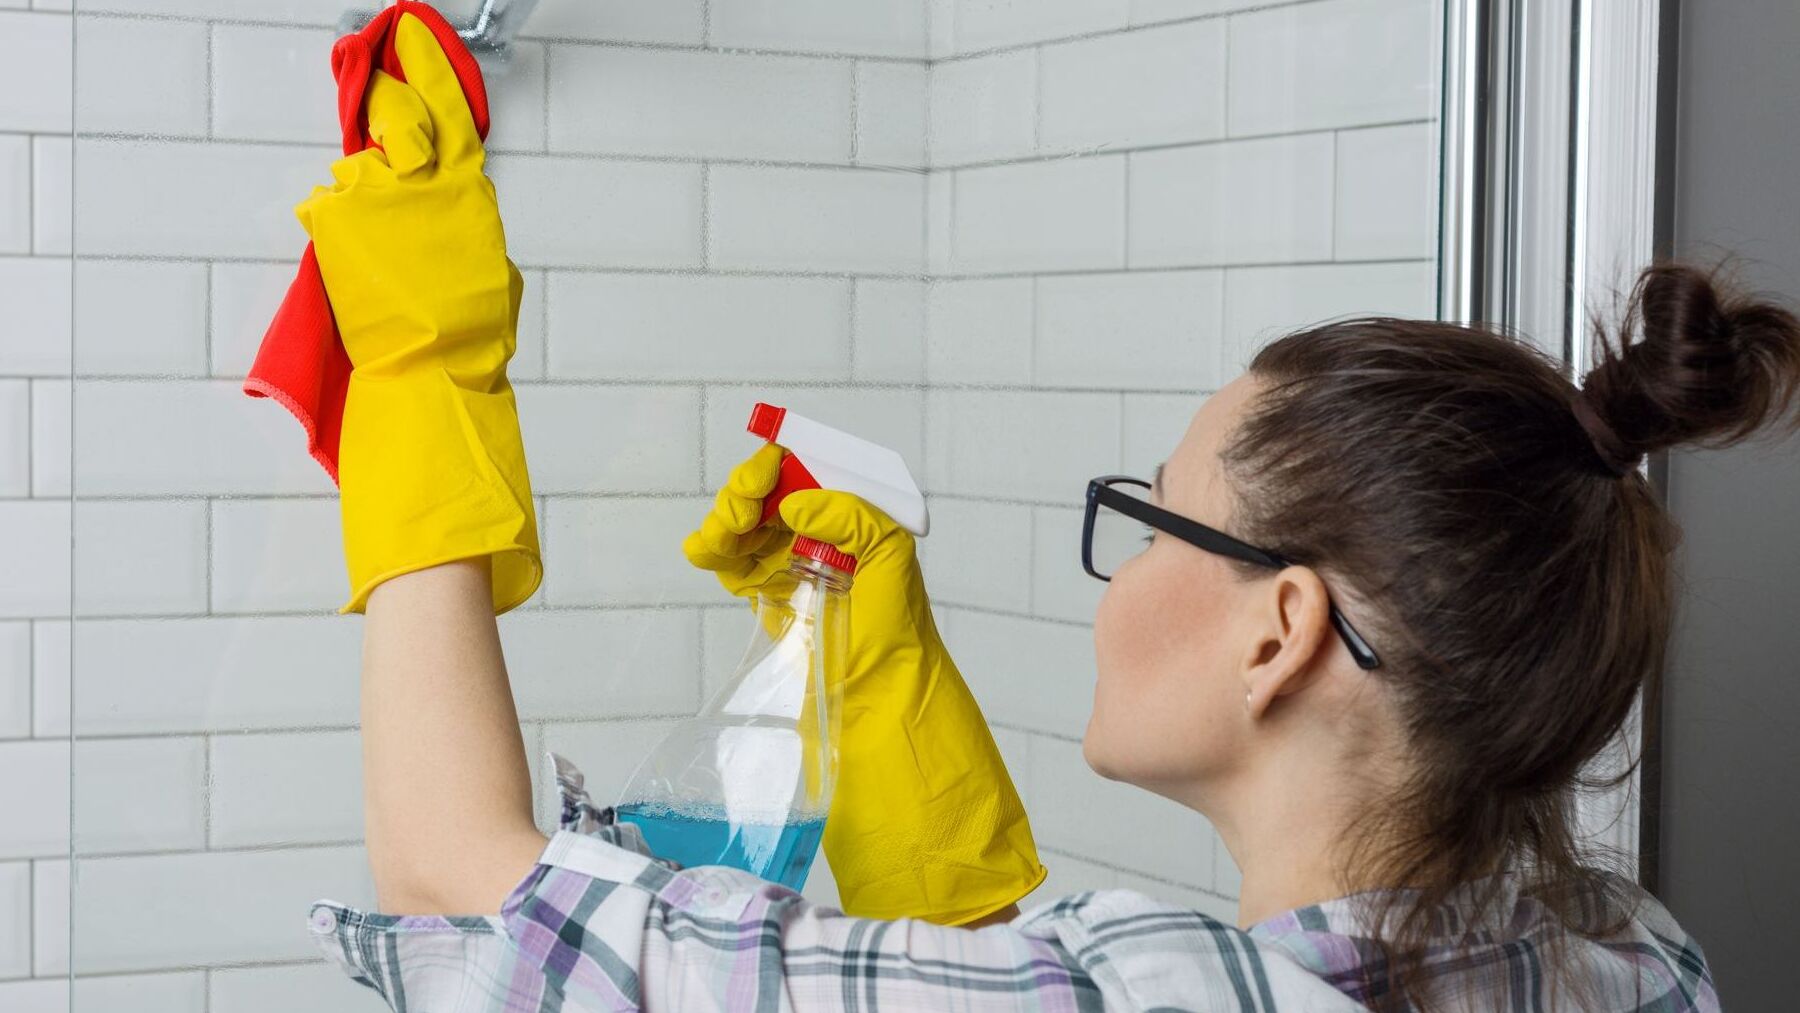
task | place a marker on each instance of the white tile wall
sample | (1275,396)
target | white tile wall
(700,104)
(141,77)
(795,202)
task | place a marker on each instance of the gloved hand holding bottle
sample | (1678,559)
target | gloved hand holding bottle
(925,821)
(413,255)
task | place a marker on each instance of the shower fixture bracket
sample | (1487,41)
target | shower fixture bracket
(488,34)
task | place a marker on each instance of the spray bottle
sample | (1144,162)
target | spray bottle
(747,782)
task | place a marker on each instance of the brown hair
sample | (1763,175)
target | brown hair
(1511,566)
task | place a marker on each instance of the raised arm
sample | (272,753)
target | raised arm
(439,530)
(447,799)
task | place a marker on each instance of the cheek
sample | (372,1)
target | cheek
(1160,643)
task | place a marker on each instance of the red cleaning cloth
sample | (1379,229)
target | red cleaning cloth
(302,362)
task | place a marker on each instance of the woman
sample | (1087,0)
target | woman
(1402,581)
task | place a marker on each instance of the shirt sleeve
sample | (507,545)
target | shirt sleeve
(600,924)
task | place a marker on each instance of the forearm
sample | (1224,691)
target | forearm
(447,796)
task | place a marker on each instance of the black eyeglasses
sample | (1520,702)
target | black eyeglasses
(1129,497)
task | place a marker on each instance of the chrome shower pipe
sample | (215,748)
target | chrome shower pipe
(488,34)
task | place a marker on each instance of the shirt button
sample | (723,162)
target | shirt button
(323,920)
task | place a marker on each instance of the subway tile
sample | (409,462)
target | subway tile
(1158,329)
(141,77)
(15,194)
(214,674)
(243,302)
(50,678)
(212,200)
(34,540)
(821,885)
(606,752)
(889,332)
(50,891)
(140,557)
(35,55)
(1334,64)
(1031,445)
(698,327)
(291,788)
(1387,195)
(185,438)
(516,98)
(940,222)
(891,418)
(940,29)
(15,921)
(178,992)
(587,439)
(52,197)
(1071,875)
(139,795)
(621,551)
(1239,202)
(1153,425)
(306,12)
(1027,673)
(299,988)
(1118,822)
(140,317)
(15,681)
(724,632)
(34,794)
(277,555)
(1265,302)
(15,438)
(38,297)
(35,995)
(581,212)
(612,663)
(979,331)
(699,104)
(274,84)
(52,414)
(1154,86)
(868,28)
(1146,12)
(235,907)
(978,554)
(1000,224)
(836,220)
(528,351)
(990,24)
(891,114)
(1060,588)
(676,22)
(984,109)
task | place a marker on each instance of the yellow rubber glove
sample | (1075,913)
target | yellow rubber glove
(924,822)
(409,241)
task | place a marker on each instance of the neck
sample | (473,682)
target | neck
(1285,828)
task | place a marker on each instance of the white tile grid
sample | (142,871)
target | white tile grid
(637,217)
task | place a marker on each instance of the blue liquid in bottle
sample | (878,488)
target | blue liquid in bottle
(779,853)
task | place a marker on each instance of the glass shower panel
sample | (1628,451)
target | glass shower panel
(1017,242)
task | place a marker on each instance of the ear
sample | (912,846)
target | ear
(1292,628)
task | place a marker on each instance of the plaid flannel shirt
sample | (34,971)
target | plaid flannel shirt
(600,924)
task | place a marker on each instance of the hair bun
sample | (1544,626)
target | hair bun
(1708,366)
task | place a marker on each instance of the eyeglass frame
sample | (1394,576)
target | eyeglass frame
(1100,492)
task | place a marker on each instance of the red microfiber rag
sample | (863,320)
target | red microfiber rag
(302,362)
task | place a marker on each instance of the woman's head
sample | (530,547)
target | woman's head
(1447,490)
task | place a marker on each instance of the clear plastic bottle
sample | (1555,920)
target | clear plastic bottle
(747,781)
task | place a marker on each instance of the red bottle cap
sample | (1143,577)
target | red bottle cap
(765,420)
(812,548)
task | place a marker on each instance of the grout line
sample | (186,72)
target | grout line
(211,600)
(706,24)
(855,112)
(212,80)
(1127,29)
(1125,225)
(706,209)
(548,50)
(1337,195)
(851,306)
(206,792)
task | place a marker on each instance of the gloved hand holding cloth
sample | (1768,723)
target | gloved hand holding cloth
(431,465)
(924,822)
